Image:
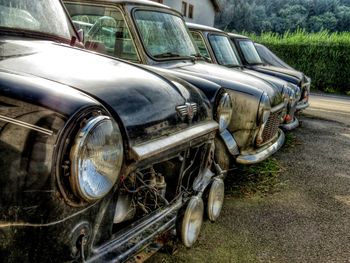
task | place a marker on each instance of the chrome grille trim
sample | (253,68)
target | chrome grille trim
(271,126)
(146,150)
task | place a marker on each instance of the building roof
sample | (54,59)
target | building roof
(203,28)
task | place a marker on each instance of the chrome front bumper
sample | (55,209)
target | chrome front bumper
(259,156)
(302,105)
(290,126)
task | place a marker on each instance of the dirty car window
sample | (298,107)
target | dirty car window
(223,50)
(105,26)
(164,35)
(41,16)
(249,52)
(200,44)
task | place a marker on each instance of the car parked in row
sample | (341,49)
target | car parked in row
(155,35)
(270,58)
(99,158)
(216,46)
(251,59)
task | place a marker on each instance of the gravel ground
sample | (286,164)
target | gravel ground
(305,221)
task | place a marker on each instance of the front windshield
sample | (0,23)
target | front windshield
(40,16)
(223,50)
(164,35)
(249,52)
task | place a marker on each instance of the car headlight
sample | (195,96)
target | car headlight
(224,111)
(96,158)
(264,108)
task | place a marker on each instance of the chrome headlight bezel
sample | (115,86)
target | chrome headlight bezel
(92,179)
(223,111)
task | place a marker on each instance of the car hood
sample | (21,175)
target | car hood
(294,76)
(144,102)
(277,82)
(225,77)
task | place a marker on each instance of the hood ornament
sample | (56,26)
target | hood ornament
(187,111)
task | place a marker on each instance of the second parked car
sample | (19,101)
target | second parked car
(153,34)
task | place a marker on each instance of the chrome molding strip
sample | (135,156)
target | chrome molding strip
(26,125)
(278,107)
(143,151)
(302,105)
(230,142)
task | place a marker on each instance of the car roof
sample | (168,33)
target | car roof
(203,28)
(136,2)
(237,36)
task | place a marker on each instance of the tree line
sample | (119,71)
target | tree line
(279,16)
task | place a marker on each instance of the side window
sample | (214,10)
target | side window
(200,44)
(106,32)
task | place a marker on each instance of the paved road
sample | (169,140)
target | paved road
(309,219)
(330,107)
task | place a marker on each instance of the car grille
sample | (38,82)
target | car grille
(271,127)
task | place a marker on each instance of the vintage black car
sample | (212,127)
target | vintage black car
(216,46)
(250,59)
(99,158)
(270,58)
(153,34)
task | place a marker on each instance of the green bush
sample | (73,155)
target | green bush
(323,56)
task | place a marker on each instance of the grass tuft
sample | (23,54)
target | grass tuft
(257,179)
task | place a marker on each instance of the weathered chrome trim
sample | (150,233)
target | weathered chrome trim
(123,245)
(302,105)
(26,125)
(144,151)
(230,142)
(290,126)
(278,107)
(260,156)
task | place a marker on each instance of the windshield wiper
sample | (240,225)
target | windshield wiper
(167,55)
(198,56)
(233,66)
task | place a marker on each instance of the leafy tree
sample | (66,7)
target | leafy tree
(258,16)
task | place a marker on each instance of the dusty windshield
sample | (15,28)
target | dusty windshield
(223,50)
(41,16)
(164,35)
(249,52)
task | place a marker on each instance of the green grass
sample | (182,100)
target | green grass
(257,179)
(291,140)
